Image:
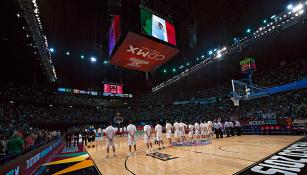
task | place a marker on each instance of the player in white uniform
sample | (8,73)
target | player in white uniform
(131,139)
(191,130)
(183,126)
(177,131)
(158,130)
(206,129)
(120,132)
(202,130)
(147,138)
(210,130)
(99,131)
(169,128)
(197,130)
(125,131)
(110,133)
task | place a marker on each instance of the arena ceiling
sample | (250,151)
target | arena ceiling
(80,28)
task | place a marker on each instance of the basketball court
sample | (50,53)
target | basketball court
(219,157)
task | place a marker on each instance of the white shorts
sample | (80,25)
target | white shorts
(209,131)
(159,137)
(177,134)
(146,139)
(190,134)
(131,141)
(109,143)
(196,132)
(202,132)
(169,134)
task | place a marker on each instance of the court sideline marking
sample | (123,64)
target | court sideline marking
(127,160)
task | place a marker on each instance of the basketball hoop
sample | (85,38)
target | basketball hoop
(235,101)
(118,120)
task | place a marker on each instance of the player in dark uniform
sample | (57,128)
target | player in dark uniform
(84,137)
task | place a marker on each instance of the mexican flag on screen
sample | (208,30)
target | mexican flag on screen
(157,27)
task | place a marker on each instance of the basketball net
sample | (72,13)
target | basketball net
(235,101)
(118,120)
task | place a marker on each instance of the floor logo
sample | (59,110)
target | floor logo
(161,156)
(291,161)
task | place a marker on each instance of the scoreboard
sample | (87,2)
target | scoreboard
(112,89)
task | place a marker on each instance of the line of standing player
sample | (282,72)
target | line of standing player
(202,130)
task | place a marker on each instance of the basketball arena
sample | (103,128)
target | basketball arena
(112,87)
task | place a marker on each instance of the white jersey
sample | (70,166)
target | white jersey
(120,129)
(220,125)
(177,130)
(210,125)
(158,130)
(131,129)
(182,128)
(125,129)
(197,129)
(110,132)
(168,128)
(99,130)
(238,124)
(202,128)
(191,129)
(226,125)
(177,126)
(216,126)
(230,124)
(147,131)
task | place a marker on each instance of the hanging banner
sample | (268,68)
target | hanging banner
(141,53)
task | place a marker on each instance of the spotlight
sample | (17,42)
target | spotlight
(202,56)
(51,50)
(164,70)
(70,106)
(67,53)
(264,21)
(93,59)
(188,64)
(82,56)
(105,62)
(50,105)
(219,55)
(197,59)
(174,70)
(272,17)
(297,8)
(210,52)
(301,12)
(18,15)
(248,30)
(290,6)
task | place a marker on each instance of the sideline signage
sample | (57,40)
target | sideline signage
(29,162)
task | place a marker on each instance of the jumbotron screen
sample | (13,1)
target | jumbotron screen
(113,89)
(157,27)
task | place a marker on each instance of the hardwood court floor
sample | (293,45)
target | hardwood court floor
(221,157)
